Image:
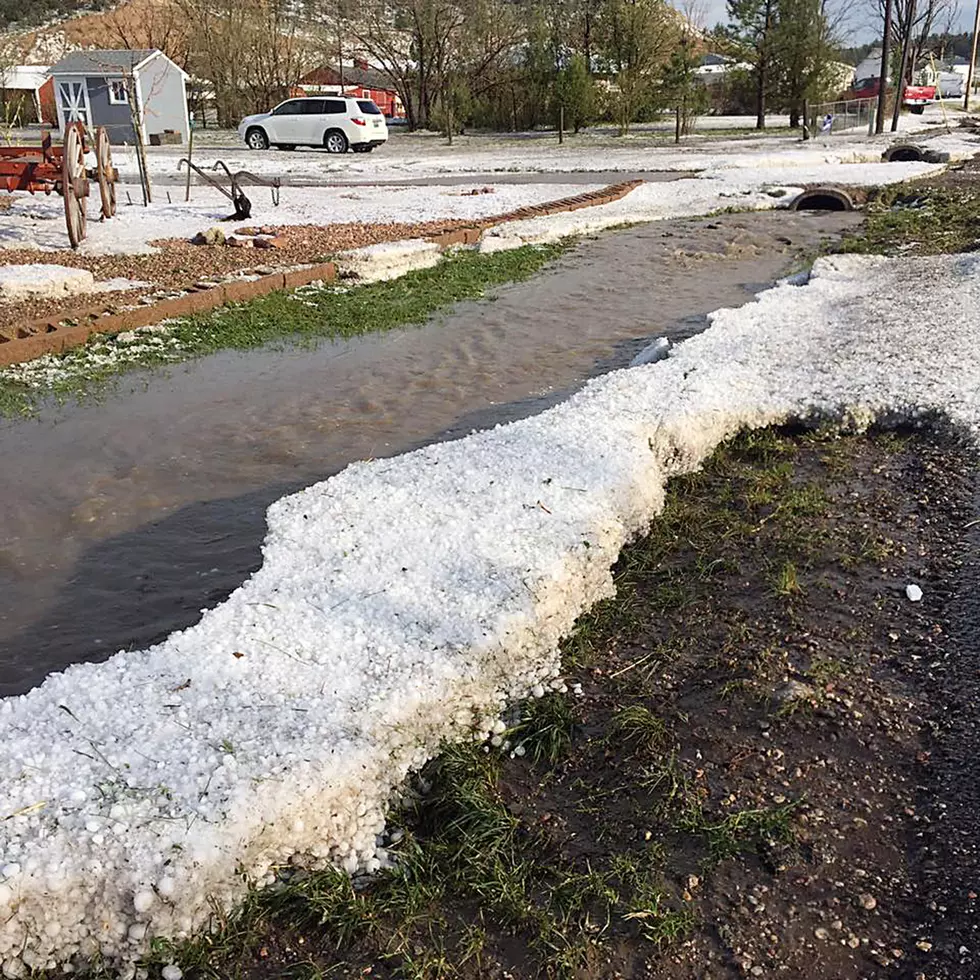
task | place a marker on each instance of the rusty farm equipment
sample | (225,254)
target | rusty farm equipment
(62,169)
(242,204)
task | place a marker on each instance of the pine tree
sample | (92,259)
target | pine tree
(575,93)
(753,23)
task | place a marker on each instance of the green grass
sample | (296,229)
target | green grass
(581,847)
(744,831)
(640,729)
(306,316)
(906,218)
(546,728)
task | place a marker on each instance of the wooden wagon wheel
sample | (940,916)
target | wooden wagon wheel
(74,184)
(105,173)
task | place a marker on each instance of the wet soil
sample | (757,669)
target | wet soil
(770,767)
(123,518)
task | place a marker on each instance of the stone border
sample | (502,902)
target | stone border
(55,334)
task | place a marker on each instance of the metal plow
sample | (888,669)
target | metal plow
(235,194)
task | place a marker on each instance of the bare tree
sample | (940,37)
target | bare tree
(252,52)
(416,43)
(9,109)
(917,21)
(639,38)
(159,24)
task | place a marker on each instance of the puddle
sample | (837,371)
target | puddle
(124,518)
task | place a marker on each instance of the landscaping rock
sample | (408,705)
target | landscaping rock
(19,282)
(213,236)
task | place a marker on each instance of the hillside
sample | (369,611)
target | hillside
(31,13)
(102,23)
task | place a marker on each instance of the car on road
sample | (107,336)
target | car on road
(335,123)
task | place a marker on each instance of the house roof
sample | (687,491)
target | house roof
(24,77)
(102,61)
(366,78)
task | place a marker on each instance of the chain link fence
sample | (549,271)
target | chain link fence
(827,118)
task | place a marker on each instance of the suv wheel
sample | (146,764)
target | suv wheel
(255,139)
(335,141)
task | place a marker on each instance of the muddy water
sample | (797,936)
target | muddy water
(123,519)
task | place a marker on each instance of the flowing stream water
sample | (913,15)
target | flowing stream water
(125,516)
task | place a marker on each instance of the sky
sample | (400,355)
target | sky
(863,27)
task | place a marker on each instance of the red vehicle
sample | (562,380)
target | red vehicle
(915,97)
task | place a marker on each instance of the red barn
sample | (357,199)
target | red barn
(360,82)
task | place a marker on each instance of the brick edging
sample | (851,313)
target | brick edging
(52,335)
(470,235)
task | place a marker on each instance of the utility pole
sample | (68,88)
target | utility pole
(340,56)
(883,76)
(906,44)
(973,60)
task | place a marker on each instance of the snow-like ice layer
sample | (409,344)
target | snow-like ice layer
(401,603)
(655,351)
(40,222)
(38,281)
(388,260)
(745,189)
(422,155)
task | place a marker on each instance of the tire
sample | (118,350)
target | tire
(255,139)
(335,141)
(917,110)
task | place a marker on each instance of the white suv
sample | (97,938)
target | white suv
(336,123)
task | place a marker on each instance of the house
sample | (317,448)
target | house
(714,67)
(838,75)
(27,95)
(961,66)
(360,82)
(94,87)
(870,67)
(950,83)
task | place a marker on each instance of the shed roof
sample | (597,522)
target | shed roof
(24,77)
(113,61)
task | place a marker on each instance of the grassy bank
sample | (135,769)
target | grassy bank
(729,785)
(920,219)
(305,316)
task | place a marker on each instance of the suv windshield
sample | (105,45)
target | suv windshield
(369,108)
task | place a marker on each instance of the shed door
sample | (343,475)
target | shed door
(73,102)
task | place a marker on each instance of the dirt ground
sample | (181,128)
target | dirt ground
(769,767)
(179,264)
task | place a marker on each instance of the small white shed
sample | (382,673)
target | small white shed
(94,88)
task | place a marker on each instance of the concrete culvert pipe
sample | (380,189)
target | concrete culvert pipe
(903,153)
(823,199)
